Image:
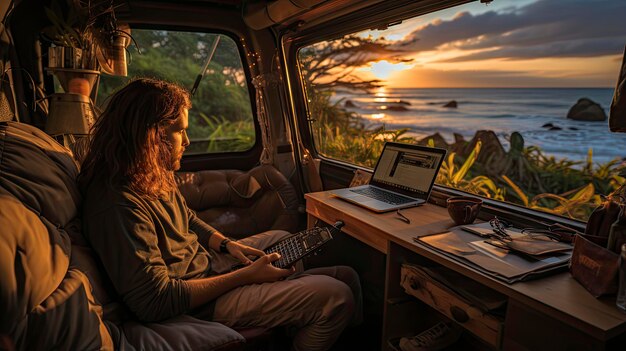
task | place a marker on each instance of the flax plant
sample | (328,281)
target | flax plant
(451,176)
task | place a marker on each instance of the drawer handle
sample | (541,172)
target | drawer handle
(415,284)
(459,314)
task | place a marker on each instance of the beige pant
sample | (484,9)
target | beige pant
(318,302)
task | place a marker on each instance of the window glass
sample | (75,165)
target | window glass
(517,91)
(221,118)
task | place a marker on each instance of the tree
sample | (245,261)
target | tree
(330,65)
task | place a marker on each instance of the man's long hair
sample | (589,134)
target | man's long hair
(128,145)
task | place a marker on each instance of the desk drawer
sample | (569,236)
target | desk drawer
(419,284)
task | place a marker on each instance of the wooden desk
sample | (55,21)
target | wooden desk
(554,312)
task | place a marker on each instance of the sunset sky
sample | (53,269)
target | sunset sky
(509,43)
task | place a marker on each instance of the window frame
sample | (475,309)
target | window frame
(382,16)
(234,159)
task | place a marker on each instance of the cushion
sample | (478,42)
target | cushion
(69,319)
(179,333)
(39,172)
(34,258)
(47,305)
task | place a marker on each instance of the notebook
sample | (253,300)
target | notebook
(403,177)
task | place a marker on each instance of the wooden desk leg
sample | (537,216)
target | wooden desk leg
(310,220)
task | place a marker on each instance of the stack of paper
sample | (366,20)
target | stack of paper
(474,250)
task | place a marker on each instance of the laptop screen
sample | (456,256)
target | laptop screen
(408,169)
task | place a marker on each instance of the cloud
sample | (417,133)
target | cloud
(572,48)
(545,28)
(432,78)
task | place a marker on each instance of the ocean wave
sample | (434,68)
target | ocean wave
(501,116)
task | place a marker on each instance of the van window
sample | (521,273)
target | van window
(221,118)
(517,91)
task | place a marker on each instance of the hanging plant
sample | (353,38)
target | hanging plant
(86,35)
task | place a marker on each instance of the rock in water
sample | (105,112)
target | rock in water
(396,108)
(451,104)
(349,103)
(586,110)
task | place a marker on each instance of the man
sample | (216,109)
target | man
(163,260)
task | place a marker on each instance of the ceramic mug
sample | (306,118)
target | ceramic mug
(463,209)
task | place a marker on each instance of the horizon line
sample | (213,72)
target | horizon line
(496,87)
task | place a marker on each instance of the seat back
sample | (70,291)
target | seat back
(49,303)
(240,204)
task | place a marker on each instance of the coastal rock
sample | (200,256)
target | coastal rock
(451,104)
(438,140)
(459,143)
(516,142)
(396,108)
(586,110)
(349,103)
(402,102)
(458,138)
(573,128)
(551,126)
(491,151)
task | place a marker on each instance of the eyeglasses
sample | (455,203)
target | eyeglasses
(499,229)
(501,238)
(554,232)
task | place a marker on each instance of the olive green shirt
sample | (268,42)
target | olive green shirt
(148,247)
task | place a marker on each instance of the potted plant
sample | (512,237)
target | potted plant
(85,41)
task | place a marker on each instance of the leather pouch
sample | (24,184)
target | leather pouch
(600,222)
(594,267)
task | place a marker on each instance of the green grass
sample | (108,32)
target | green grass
(214,134)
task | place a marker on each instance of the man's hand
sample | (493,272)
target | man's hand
(240,251)
(262,271)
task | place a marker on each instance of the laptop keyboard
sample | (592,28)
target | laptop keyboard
(383,196)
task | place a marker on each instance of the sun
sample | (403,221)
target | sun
(383,69)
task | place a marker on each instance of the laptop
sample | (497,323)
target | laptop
(403,177)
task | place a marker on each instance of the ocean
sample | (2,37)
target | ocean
(502,110)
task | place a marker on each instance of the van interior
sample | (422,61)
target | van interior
(293,99)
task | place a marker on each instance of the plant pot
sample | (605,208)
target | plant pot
(78,81)
(112,58)
(69,114)
(64,57)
